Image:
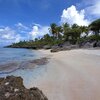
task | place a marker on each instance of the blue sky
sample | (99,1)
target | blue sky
(28,19)
(37,11)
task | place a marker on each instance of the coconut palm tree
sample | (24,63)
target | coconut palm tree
(59,30)
(95,26)
(66,29)
(55,30)
(52,29)
(75,26)
(84,29)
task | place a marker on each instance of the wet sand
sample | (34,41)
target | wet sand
(71,75)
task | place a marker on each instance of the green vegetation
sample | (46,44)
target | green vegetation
(95,26)
(60,34)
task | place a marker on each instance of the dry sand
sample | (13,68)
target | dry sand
(71,75)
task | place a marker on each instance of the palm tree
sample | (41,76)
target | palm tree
(84,29)
(95,26)
(75,26)
(53,29)
(56,30)
(66,29)
(59,30)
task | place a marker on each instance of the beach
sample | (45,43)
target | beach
(67,75)
(49,50)
(70,75)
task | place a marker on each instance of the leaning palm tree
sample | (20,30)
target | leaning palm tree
(95,26)
(55,30)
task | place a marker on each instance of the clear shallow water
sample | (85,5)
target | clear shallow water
(12,59)
(8,55)
(16,55)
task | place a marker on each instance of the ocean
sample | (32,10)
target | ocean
(12,59)
(8,55)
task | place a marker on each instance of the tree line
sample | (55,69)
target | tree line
(58,34)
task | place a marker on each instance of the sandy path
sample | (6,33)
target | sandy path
(71,75)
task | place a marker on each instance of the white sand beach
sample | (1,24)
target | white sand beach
(71,75)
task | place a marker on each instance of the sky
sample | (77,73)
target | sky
(28,19)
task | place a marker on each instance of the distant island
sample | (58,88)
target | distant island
(65,37)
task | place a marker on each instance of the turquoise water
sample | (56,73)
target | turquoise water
(8,55)
(12,59)
(16,55)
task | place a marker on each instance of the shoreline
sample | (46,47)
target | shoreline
(24,65)
(69,75)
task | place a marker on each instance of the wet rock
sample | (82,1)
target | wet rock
(11,67)
(1,79)
(7,95)
(15,90)
(8,67)
(41,61)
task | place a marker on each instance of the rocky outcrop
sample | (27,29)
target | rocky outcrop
(55,48)
(12,88)
(90,44)
(98,44)
(68,46)
(64,47)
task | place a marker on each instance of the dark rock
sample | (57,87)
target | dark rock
(64,47)
(41,61)
(89,44)
(66,43)
(12,88)
(1,79)
(13,66)
(98,44)
(56,48)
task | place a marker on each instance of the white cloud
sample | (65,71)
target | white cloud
(93,8)
(8,35)
(38,31)
(21,26)
(72,15)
